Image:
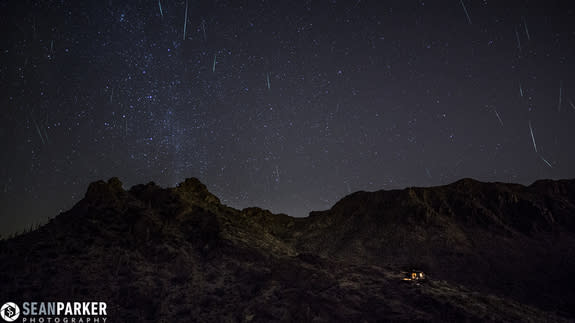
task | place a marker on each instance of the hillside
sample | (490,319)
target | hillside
(489,251)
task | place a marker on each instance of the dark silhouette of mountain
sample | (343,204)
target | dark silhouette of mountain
(488,252)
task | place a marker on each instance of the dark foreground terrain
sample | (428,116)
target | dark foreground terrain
(490,252)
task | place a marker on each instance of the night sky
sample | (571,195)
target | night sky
(286,105)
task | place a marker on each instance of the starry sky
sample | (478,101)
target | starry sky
(286,105)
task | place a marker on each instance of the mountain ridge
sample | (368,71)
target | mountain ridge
(477,242)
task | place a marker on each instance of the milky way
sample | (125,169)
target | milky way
(287,105)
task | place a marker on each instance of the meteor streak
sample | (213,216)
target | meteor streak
(532,136)
(185,21)
(466,13)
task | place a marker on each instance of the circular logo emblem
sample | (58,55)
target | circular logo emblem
(10,312)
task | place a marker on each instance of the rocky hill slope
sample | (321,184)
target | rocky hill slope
(489,251)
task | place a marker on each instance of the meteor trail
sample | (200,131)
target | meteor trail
(520,89)
(546,162)
(185,21)
(268,79)
(526,30)
(277,174)
(38,130)
(204,29)
(428,173)
(498,117)
(532,136)
(214,66)
(466,13)
(560,95)
(518,40)
(162,12)
(46,135)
